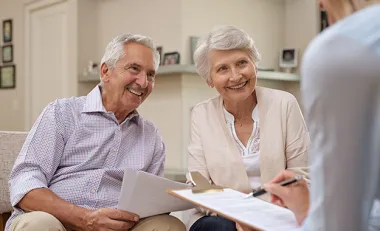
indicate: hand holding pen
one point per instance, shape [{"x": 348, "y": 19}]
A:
[
  {"x": 282, "y": 183},
  {"x": 294, "y": 196}
]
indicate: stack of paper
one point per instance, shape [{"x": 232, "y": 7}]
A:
[
  {"x": 236, "y": 206},
  {"x": 146, "y": 194}
]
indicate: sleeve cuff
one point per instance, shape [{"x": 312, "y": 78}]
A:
[{"x": 22, "y": 185}]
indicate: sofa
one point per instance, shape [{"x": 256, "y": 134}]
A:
[{"x": 10, "y": 146}]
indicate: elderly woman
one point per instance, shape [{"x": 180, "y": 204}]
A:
[{"x": 248, "y": 134}]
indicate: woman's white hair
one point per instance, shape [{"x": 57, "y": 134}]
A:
[
  {"x": 115, "y": 49},
  {"x": 223, "y": 38}
]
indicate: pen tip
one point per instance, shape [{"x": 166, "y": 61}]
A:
[{"x": 249, "y": 195}]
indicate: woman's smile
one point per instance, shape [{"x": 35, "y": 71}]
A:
[{"x": 238, "y": 86}]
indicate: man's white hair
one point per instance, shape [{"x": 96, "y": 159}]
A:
[
  {"x": 115, "y": 49},
  {"x": 223, "y": 38}
]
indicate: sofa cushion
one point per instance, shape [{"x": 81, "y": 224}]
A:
[{"x": 10, "y": 146}]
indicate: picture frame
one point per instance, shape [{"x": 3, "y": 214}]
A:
[
  {"x": 7, "y": 31},
  {"x": 324, "y": 23},
  {"x": 171, "y": 58},
  {"x": 7, "y": 53},
  {"x": 8, "y": 76},
  {"x": 288, "y": 58},
  {"x": 159, "y": 50},
  {"x": 193, "y": 47}
]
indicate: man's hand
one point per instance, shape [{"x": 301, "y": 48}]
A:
[
  {"x": 294, "y": 196},
  {"x": 109, "y": 219}
]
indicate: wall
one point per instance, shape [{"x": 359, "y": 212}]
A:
[
  {"x": 301, "y": 26},
  {"x": 272, "y": 23},
  {"x": 12, "y": 100},
  {"x": 111, "y": 18},
  {"x": 301, "y": 23},
  {"x": 157, "y": 19},
  {"x": 261, "y": 19},
  {"x": 162, "y": 107},
  {"x": 87, "y": 39}
]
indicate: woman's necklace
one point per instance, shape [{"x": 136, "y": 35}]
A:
[{"x": 240, "y": 124}]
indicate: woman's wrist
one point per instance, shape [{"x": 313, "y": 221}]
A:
[{"x": 302, "y": 214}]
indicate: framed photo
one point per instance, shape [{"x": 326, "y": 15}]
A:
[
  {"x": 7, "y": 31},
  {"x": 159, "y": 50},
  {"x": 8, "y": 76},
  {"x": 288, "y": 58},
  {"x": 7, "y": 53},
  {"x": 324, "y": 20},
  {"x": 193, "y": 46},
  {"x": 171, "y": 58}
]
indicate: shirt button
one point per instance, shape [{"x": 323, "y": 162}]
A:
[{"x": 92, "y": 190}]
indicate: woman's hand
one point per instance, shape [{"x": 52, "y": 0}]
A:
[
  {"x": 294, "y": 196},
  {"x": 243, "y": 228}
]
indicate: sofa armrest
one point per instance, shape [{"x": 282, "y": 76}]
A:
[{"x": 10, "y": 146}]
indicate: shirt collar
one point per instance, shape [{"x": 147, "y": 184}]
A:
[
  {"x": 94, "y": 103},
  {"x": 133, "y": 116},
  {"x": 230, "y": 118}
]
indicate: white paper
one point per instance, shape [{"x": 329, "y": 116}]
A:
[
  {"x": 250, "y": 211},
  {"x": 146, "y": 194}
]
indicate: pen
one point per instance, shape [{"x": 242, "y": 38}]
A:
[{"x": 282, "y": 183}]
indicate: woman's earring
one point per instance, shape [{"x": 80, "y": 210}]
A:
[{"x": 209, "y": 83}]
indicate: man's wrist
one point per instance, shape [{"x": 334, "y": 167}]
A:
[{"x": 80, "y": 215}]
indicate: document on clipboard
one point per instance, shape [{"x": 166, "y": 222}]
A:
[
  {"x": 146, "y": 194},
  {"x": 234, "y": 205}
]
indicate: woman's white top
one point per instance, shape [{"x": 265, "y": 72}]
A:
[
  {"x": 341, "y": 97},
  {"x": 251, "y": 152}
]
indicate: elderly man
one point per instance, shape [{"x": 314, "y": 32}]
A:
[{"x": 69, "y": 172}]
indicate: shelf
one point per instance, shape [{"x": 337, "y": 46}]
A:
[
  {"x": 172, "y": 69},
  {"x": 267, "y": 75},
  {"x": 279, "y": 76},
  {"x": 175, "y": 69},
  {"x": 89, "y": 78}
]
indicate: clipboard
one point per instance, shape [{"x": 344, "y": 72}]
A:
[
  {"x": 243, "y": 210},
  {"x": 201, "y": 185}
]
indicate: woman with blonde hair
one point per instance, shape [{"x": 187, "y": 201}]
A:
[
  {"x": 247, "y": 134},
  {"x": 341, "y": 95}
]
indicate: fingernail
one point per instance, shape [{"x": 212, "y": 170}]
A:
[{"x": 136, "y": 218}]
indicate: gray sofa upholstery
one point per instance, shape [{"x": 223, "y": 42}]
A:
[{"x": 10, "y": 146}]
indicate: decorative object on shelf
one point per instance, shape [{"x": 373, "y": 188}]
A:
[
  {"x": 92, "y": 69},
  {"x": 7, "y": 53},
  {"x": 193, "y": 46},
  {"x": 288, "y": 59},
  {"x": 7, "y": 31},
  {"x": 171, "y": 58},
  {"x": 8, "y": 76},
  {"x": 324, "y": 20},
  {"x": 159, "y": 50}
]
